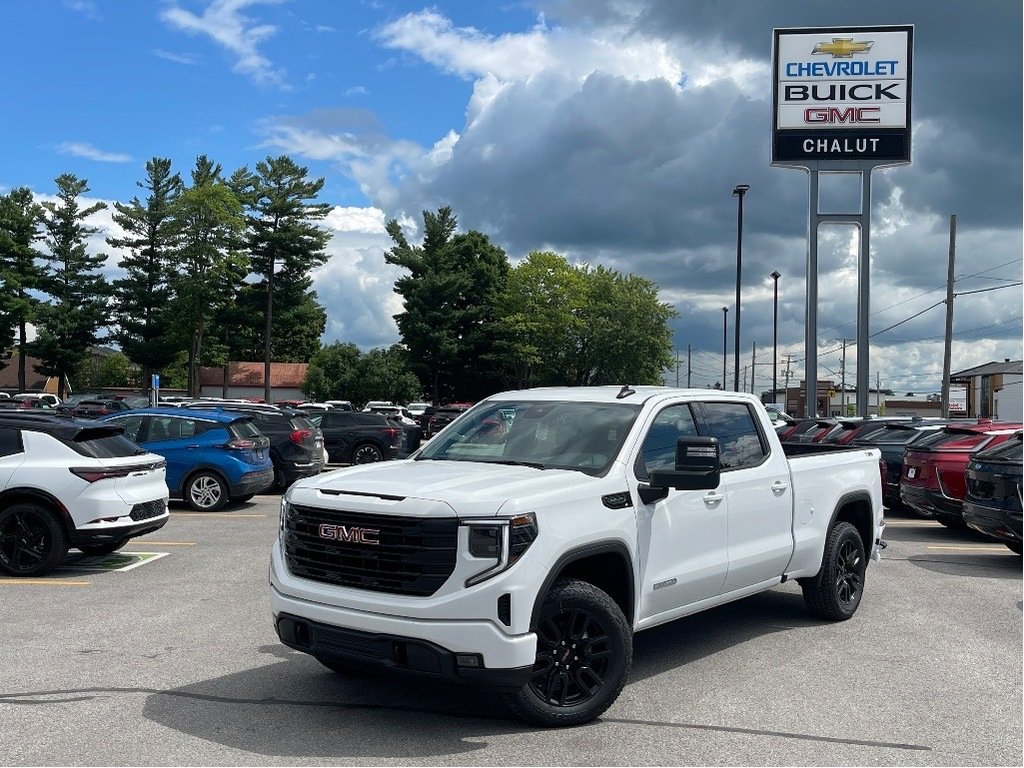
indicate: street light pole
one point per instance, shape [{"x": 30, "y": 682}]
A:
[
  {"x": 725, "y": 343},
  {"x": 775, "y": 337},
  {"x": 738, "y": 192}
]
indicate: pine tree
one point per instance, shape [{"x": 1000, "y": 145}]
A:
[
  {"x": 141, "y": 297},
  {"x": 69, "y": 325},
  {"x": 20, "y": 217}
]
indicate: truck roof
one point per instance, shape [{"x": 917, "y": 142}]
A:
[{"x": 617, "y": 393}]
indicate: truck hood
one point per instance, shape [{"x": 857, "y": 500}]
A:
[{"x": 468, "y": 489}]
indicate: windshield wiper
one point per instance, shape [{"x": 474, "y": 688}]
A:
[{"x": 517, "y": 463}]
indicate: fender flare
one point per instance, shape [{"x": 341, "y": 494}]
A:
[{"x": 611, "y": 547}]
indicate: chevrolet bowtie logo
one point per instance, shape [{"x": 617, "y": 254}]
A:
[{"x": 843, "y": 47}]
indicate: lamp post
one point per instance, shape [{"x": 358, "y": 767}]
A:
[
  {"x": 725, "y": 343},
  {"x": 775, "y": 336},
  {"x": 738, "y": 192}
]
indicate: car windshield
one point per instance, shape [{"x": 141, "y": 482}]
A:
[{"x": 542, "y": 434}]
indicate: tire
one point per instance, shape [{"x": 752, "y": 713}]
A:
[
  {"x": 584, "y": 653},
  {"x": 836, "y": 591},
  {"x": 1015, "y": 546},
  {"x": 206, "y": 492},
  {"x": 97, "y": 550},
  {"x": 32, "y": 540},
  {"x": 366, "y": 453}
]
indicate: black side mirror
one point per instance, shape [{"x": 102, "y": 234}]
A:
[{"x": 698, "y": 466}]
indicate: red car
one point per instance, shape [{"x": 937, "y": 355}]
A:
[{"x": 934, "y": 475}]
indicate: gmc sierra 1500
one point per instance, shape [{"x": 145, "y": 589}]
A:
[{"x": 523, "y": 546}]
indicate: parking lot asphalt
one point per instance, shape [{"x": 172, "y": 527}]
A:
[{"x": 175, "y": 662}]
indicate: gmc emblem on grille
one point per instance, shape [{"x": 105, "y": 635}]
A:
[{"x": 350, "y": 534}]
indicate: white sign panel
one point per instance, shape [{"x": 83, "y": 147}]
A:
[
  {"x": 842, "y": 93},
  {"x": 957, "y": 399}
]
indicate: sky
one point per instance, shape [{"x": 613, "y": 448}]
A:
[{"x": 610, "y": 131}]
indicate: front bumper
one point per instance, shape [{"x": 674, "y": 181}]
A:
[
  {"x": 450, "y": 625},
  {"x": 395, "y": 654}
]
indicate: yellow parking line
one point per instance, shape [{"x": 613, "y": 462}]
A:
[
  {"x": 978, "y": 548},
  {"x": 211, "y": 514},
  {"x": 46, "y": 582}
]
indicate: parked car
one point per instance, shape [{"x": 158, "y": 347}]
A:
[
  {"x": 340, "y": 405},
  {"x": 371, "y": 404},
  {"x": 73, "y": 400},
  {"x": 417, "y": 409},
  {"x": 26, "y": 403},
  {"x": 444, "y": 416},
  {"x": 892, "y": 442},
  {"x": 993, "y": 502},
  {"x": 296, "y": 443},
  {"x": 933, "y": 481},
  {"x": 51, "y": 400},
  {"x": 808, "y": 430},
  {"x": 71, "y": 483},
  {"x": 353, "y": 437},
  {"x": 94, "y": 409},
  {"x": 212, "y": 456}
]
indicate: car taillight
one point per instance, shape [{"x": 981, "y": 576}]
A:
[
  {"x": 92, "y": 474},
  {"x": 393, "y": 432},
  {"x": 298, "y": 435},
  {"x": 240, "y": 444}
]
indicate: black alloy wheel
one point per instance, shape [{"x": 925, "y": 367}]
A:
[
  {"x": 366, "y": 453},
  {"x": 584, "y": 652},
  {"x": 32, "y": 540},
  {"x": 836, "y": 591}
]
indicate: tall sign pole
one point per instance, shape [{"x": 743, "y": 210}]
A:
[{"x": 841, "y": 104}]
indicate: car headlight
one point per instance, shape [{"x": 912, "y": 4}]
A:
[
  {"x": 499, "y": 542},
  {"x": 284, "y": 513}
]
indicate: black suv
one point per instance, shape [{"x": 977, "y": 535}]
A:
[
  {"x": 354, "y": 437},
  {"x": 296, "y": 444},
  {"x": 993, "y": 505},
  {"x": 443, "y": 416}
]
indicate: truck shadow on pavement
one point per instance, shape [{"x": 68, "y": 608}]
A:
[{"x": 295, "y": 708}]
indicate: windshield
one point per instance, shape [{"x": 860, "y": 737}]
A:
[{"x": 543, "y": 434}]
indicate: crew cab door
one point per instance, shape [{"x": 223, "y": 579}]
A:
[
  {"x": 682, "y": 537},
  {"x": 756, "y": 481}
]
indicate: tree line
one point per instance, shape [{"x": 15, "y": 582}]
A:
[
  {"x": 473, "y": 324},
  {"x": 214, "y": 270},
  {"x": 218, "y": 269}
]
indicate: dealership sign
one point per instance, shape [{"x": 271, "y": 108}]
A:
[{"x": 841, "y": 94}]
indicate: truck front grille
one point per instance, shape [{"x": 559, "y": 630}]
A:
[{"x": 380, "y": 553}]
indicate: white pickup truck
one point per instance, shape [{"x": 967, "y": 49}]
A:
[{"x": 523, "y": 545}]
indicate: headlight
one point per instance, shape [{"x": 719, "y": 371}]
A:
[
  {"x": 500, "y": 542},
  {"x": 284, "y": 512}
]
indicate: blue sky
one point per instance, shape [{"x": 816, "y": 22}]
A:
[{"x": 611, "y": 131}]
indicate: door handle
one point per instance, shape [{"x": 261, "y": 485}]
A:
[
  {"x": 779, "y": 487},
  {"x": 712, "y": 498},
  {"x": 195, "y": 445}
]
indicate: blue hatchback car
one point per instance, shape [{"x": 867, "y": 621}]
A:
[{"x": 212, "y": 456}]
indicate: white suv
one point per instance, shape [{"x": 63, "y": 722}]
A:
[{"x": 72, "y": 483}]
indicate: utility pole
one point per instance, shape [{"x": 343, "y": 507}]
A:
[
  {"x": 878, "y": 393},
  {"x": 753, "y": 367},
  {"x": 785, "y": 399},
  {"x": 689, "y": 367},
  {"x": 948, "y": 352},
  {"x": 842, "y": 377},
  {"x": 677, "y": 369}
]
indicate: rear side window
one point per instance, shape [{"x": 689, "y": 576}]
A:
[
  {"x": 739, "y": 440},
  {"x": 299, "y": 422},
  {"x": 104, "y": 444},
  {"x": 10, "y": 441},
  {"x": 245, "y": 428}
]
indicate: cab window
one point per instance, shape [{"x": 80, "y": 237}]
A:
[
  {"x": 659, "y": 447},
  {"x": 740, "y": 443}
]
